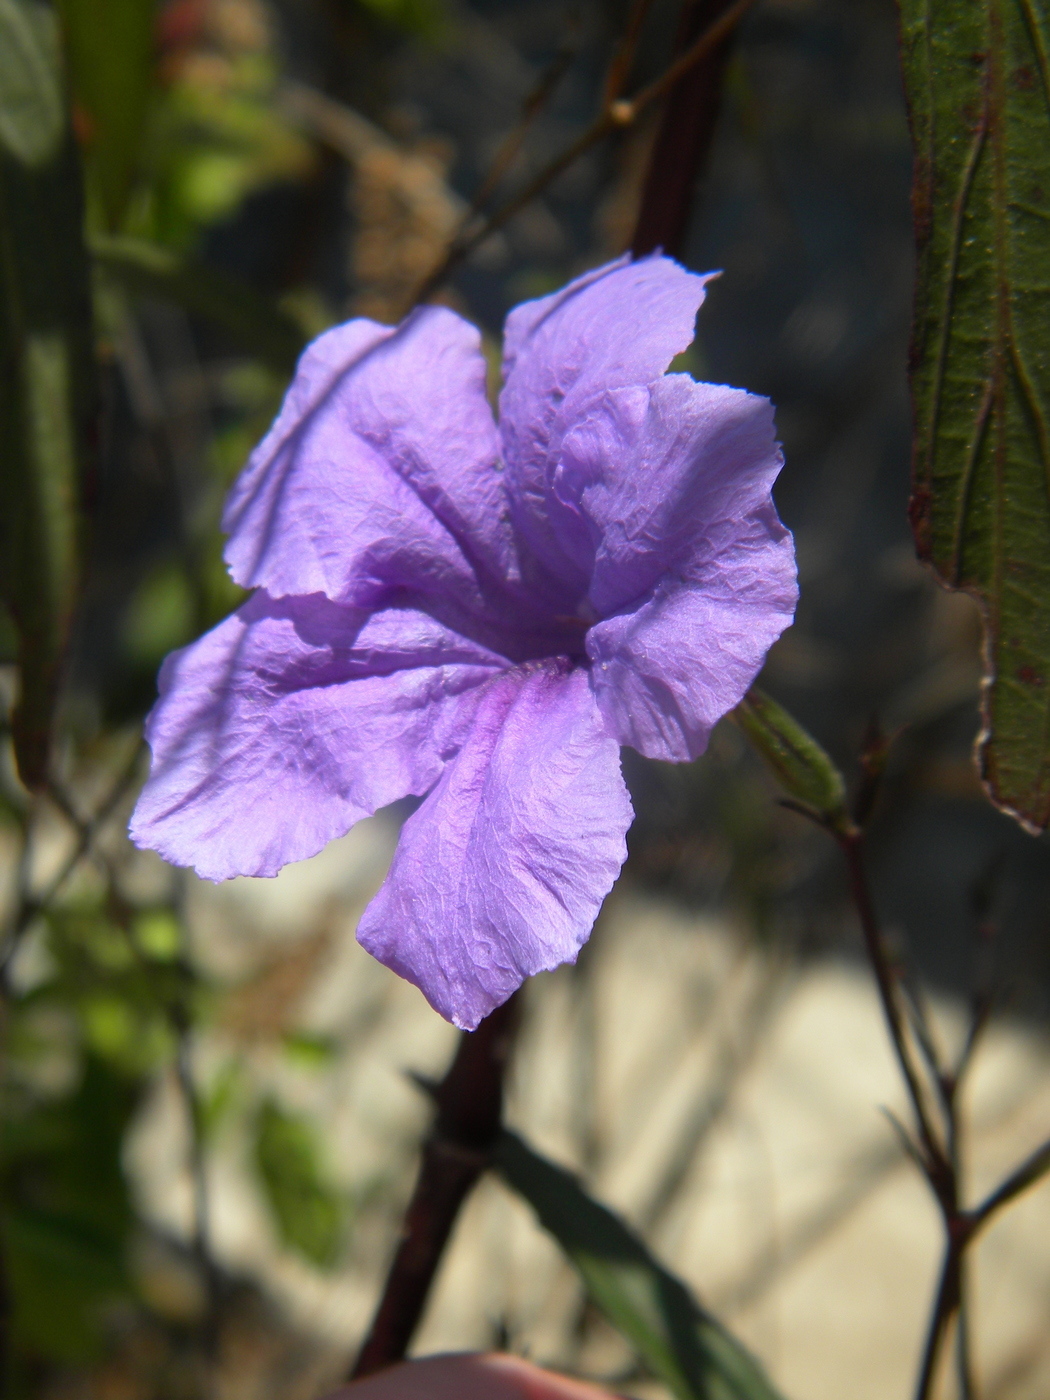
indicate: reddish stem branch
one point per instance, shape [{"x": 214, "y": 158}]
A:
[
  {"x": 469, "y": 1112},
  {"x": 533, "y": 105},
  {"x": 945, "y": 1308},
  {"x": 684, "y": 139},
  {"x": 30, "y": 906},
  {"x": 939, "y": 1161},
  {"x": 619, "y": 69},
  {"x": 1027, "y": 1174},
  {"x": 615, "y": 117},
  {"x": 938, "y": 1168}
]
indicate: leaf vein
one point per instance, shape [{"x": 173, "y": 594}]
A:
[
  {"x": 1035, "y": 30},
  {"x": 958, "y": 213}
]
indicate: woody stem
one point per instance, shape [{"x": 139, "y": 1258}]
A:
[{"x": 457, "y": 1150}]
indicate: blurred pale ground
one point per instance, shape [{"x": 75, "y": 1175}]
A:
[{"x": 725, "y": 1099}]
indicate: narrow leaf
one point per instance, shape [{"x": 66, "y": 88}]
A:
[
  {"x": 109, "y": 47},
  {"x": 46, "y": 368},
  {"x": 32, "y": 117},
  {"x": 800, "y": 765},
  {"x": 977, "y": 74},
  {"x": 680, "y": 1344},
  {"x": 254, "y": 323},
  {"x": 309, "y": 1214}
]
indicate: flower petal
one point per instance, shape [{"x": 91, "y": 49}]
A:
[
  {"x": 667, "y": 671},
  {"x": 664, "y": 479},
  {"x": 616, "y": 327},
  {"x": 381, "y": 472},
  {"x": 293, "y": 719},
  {"x": 502, "y": 870}
]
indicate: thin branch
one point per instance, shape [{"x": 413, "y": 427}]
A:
[
  {"x": 963, "y": 1349},
  {"x": 201, "y": 1236},
  {"x": 623, "y": 57},
  {"x": 978, "y": 1022},
  {"x": 615, "y": 117},
  {"x": 944, "y": 1309},
  {"x": 533, "y": 105},
  {"x": 550, "y": 172},
  {"x": 920, "y": 1025},
  {"x": 712, "y": 36},
  {"x": 29, "y": 905},
  {"x": 810, "y": 813},
  {"x": 940, "y": 1164},
  {"x": 910, "y": 1146},
  {"x": 23, "y": 872},
  {"x": 945, "y": 1080},
  {"x": 64, "y": 803},
  {"x": 1027, "y": 1174},
  {"x": 950, "y": 1081},
  {"x": 942, "y": 1178}
]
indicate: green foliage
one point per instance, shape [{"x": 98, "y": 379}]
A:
[
  {"x": 66, "y": 1214},
  {"x": 977, "y": 74},
  {"x": 109, "y": 46},
  {"x": 256, "y": 325},
  {"x": 32, "y": 113},
  {"x": 160, "y": 616},
  {"x": 89, "y": 1022},
  {"x": 310, "y": 1215},
  {"x": 424, "y": 18},
  {"x": 310, "y": 1051},
  {"x": 679, "y": 1343},
  {"x": 217, "y": 135},
  {"x": 157, "y": 934},
  {"x": 46, "y": 367},
  {"x": 801, "y": 766},
  {"x": 126, "y": 994}
]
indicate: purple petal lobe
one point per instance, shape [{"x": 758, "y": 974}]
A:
[
  {"x": 665, "y": 479},
  {"x": 293, "y": 719},
  {"x": 666, "y": 670},
  {"x": 381, "y": 472},
  {"x": 502, "y": 870},
  {"x": 614, "y": 328}
]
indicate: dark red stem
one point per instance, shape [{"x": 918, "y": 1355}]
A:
[
  {"x": 938, "y": 1167},
  {"x": 684, "y": 139},
  {"x": 945, "y": 1308},
  {"x": 469, "y": 1116}
]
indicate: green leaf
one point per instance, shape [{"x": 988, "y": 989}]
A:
[
  {"x": 309, "y": 1214},
  {"x": 258, "y": 326},
  {"x": 799, "y": 763},
  {"x": 977, "y": 74},
  {"x": 426, "y": 19},
  {"x": 65, "y": 1214},
  {"x": 61, "y": 1277},
  {"x": 310, "y": 1051},
  {"x": 46, "y": 368},
  {"x": 681, "y": 1344},
  {"x": 110, "y": 50},
  {"x": 32, "y": 114}
]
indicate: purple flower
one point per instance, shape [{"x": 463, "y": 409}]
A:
[{"x": 482, "y": 615}]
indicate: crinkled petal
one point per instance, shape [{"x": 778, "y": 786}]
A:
[
  {"x": 613, "y": 328},
  {"x": 380, "y": 476},
  {"x": 664, "y": 479},
  {"x": 666, "y": 672},
  {"x": 290, "y": 721},
  {"x": 502, "y": 870}
]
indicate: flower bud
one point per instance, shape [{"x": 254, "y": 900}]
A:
[{"x": 801, "y": 766}]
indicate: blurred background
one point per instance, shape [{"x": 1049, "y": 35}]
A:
[{"x": 208, "y": 1134}]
